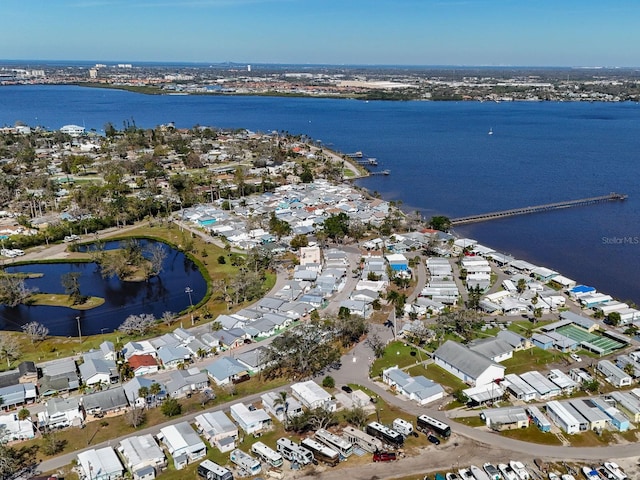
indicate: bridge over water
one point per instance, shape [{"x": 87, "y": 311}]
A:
[{"x": 537, "y": 208}]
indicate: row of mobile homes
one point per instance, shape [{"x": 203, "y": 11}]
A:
[
  {"x": 594, "y": 418},
  {"x": 616, "y": 417},
  {"x": 217, "y": 429},
  {"x": 629, "y": 402}
]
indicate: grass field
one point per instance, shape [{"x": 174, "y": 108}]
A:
[
  {"x": 531, "y": 359},
  {"x": 438, "y": 375},
  {"x": 396, "y": 353}
]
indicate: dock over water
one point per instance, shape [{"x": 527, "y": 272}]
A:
[{"x": 537, "y": 208}]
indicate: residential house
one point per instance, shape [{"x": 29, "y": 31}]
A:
[
  {"x": 141, "y": 453},
  {"x": 132, "y": 389},
  {"x": 562, "y": 417},
  {"x": 252, "y": 420},
  {"x": 143, "y": 364},
  {"x": 419, "y": 388},
  {"x": 16, "y": 395},
  {"x": 100, "y": 464},
  {"x": 469, "y": 366},
  {"x": 614, "y": 375},
  {"x": 226, "y": 370},
  {"x": 58, "y": 377},
  {"x": 143, "y": 347},
  {"x": 13, "y": 429},
  {"x": 173, "y": 356},
  {"x": 506, "y": 418},
  {"x": 493, "y": 348},
  {"x": 112, "y": 400},
  {"x": 218, "y": 430},
  {"x": 183, "y": 444},
  {"x": 312, "y": 395},
  {"x": 186, "y": 382},
  {"x": 273, "y": 404},
  {"x": 520, "y": 389},
  {"x": 95, "y": 370},
  {"x": 61, "y": 412}
]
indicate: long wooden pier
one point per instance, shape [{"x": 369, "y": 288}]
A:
[{"x": 537, "y": 208}]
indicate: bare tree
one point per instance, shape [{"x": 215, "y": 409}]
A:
[
  {"x": 135, "y": 417},
  {"x": 9, "y": 348},
  {"x": 13, "y": 290},
  {"x": 157, "y": 254},
  {"x": 168, "y": 318},
  {"x": 137, "y": 324},
  {"x": 35, "y": 331}
]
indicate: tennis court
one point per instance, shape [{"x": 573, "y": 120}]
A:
[{"x": 607, "y": 345}]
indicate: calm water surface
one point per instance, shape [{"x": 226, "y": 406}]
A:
[{"x": 441, "y": 158}]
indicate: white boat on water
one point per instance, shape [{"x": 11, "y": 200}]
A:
[
  {"x": 478, "y": 473},
  {"x": 567, "y": 476},
  {"x": 590, "y": 473},
  {"x": 491, "y": 131},
  {"x": 615, "y": 470},
  {"x": 507, "y": 472},
  {"x": 520, "y": 470},
  {"x": 465, "y": 474}
]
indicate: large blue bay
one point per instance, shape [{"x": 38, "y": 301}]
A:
[{"x": 441, "y": 159}]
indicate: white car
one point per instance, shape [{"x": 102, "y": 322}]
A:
[{"x": 576, "y": 357}]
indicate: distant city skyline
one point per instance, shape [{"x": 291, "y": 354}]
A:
[{"x": 588, "y": 33}]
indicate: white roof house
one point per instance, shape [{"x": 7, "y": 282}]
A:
[
  {"x": 562, "y": 417},
  {"x": 469, "y": 366},
  {"x": 217, "y": 429},
  {"x": 544, "y": 387},
  {"x": 562, "y": 380},
  {"x": 519, "y": 388},
  {"x": 12, "y": 429},
  {"x": 506, "y": 417},
  {"x": 183, "y": 444},
  {"x": 251, "y": 421},
  {"x": 419, "y": 388},
  {"x": 100, "y": 464},
  {"x": 312, "y": 395},
  {"x": 141, "y": 452},
  {"x": 614, "y": 375}
]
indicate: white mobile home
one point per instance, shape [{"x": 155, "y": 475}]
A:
[
  {"x": 312, "y": 395},
  {"x": 101, "y": 464},
  {"x": 141, "y": 452},
  {"x": 614, "y": 375},
  {"x": 217, "y": 429},
  {"x": 183, "y": 444},
  {"x": 251, "y": 421},
  {"x": 562, "y": 417}
]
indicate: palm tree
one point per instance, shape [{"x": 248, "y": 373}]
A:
[
  {"x": 154, "y": 390},
  {"x": 282, "y": 400},
  {"x": 143, "y": 392}
]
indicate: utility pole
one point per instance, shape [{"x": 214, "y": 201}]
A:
[
  {"x": 188, "y": 291},
  {"x": 79, "y": 329}
]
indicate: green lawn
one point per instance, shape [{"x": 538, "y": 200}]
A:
[
  {"x": 532, "y": 434},
  {"x": 531, "y": 359},
  {"x": 471, "y": 421},
  {"x": 438, "y": 375},
  {"x": 397, "y": 353}
]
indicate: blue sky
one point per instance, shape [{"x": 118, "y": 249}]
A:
[{"x": 400, "y": 32}]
